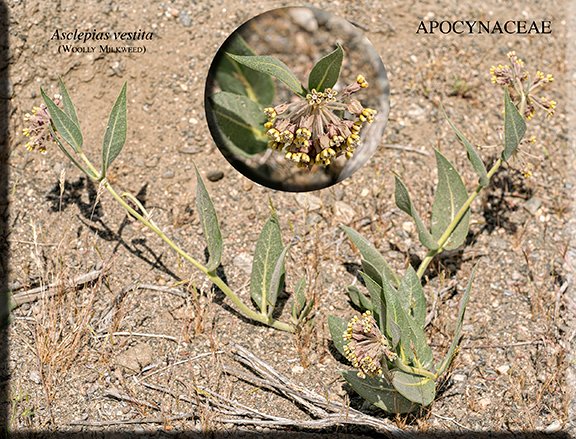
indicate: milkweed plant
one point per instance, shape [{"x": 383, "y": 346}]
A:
[
  {"x": 394, "y": 368},
  {"x": 317, "y": 125},
  {"x": 386, "y": 344}
]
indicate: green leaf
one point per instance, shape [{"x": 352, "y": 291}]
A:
[
  {"x": 379, "y": 392},
  {"x": 472, "y": 154},
  {"x": 337, "y": 327},
  {"x": 63, "y": 124},
  {"x": 299, "y": 298},
  {"x": 405, "y": 204},
  {"x": 115, "y": 135},
  {"x": 276, "y": 281},
  {"x": 269, "y": 247},
  {"x": 210, "y": 225},
  {"x": 378, "y": 305},
  {"x": 413, "y": 338},
  {"x": 67, "y": 102},
  {"x": 236, "y": 78},
  {"x": 459, "y": 321},
  {"x": 359, "y": 299},
  {"x": 326, "y": 71},
  {"x": 241, "y": 122},
  {"x": 418, "y": 389},
  {"x": 450, "y": 197},
  {"x": 371, "y": 255},
  {"x": 514, "y": 127},
  {"x": 273, "y": 67},
  {"x": 412, "y": 296}
]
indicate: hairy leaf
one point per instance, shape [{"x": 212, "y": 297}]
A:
[
  {"x": 299, "y": 298},
  {"x": 379, "y": 392},
  {"x": 115, "y": 135},
  {"x": 337, "y": 327},
  {"x": 326, "y": 71},
  {"x": 241, "y": 121},
  {"x": 472, "y": 154},
  {"x": 273, "y": 67},
  {"x": 236, "y": 78},
  {"x": 450, "y": 197},
  {"x": 412, "y": 297},
  {"x": 276, "y": 281},
  {"x": 269, "y": 247},
  {"x": 378, "y": 304},
  {"x": 371, "y": 255},
  {"x": 404, "y": 203},
  {"x": 210, "y": 226},
  {"x": 63, "y": 124},
  {"x": 418, "y": 389},
  {"x": 359, "y": 299},
  {"x": 514, "y": 127},
  {"x": 67, "y": 102}
]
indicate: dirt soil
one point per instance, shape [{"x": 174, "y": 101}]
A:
[{"x": 68, "y": 369}]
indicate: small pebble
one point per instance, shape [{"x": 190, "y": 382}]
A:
[
  {"x": 185, "y": 19},
  {"x": 298, "y": 369},
  {"x": 308, "y": 201},
  {"x": 503, "y": 370},
  {"x": 215, "y": 175},
  {"x": 459, "y": 377},
  {"x": 343, "y": 212},
  {"x": 168, "y": 173},
  {"x": 533, "y": 205},
  {"x": 189, "y": 150},
  {"x": 35, "y": 377}
]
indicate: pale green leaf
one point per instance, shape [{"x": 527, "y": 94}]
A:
[
  {"x": 412, "y": 296},
  {"x": 299, "y": 298},
  {"x": 514, "y": 127},
  {"x": 378, "y": 305},
  {"x": 379, "y": 392},
  {"x": 450, "y": 196},
  {"x": 63, "y": 124},
  {"x": 372, "y": 256},
  {"x": 337, "y": 327},
  {"x": 359, "y": 299},
  {"x": 326, "y": 71},
  {"x": 276, "y": 281},
  {"x": 404, "y": 203},
  {"x": 269, "y": 247},
  {"x": 67, "y": 102},
  {"x": 273, "y": 67},
  {"x": 418, "y": 389},
  {"x": 236, "y": 78},
  {"x": 115, "y": 135},
  {"x": 210, "y": 225},
  {"x": 472, "y": 154},
  {"x": 240, "y": 122}
]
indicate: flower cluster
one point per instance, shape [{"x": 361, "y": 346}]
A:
[
  {"x": 366, "y": 347},
  {"x": 516, "y": 77},
  {"x": 315, "y": 129},
  {"x": 38, "y": 130}
]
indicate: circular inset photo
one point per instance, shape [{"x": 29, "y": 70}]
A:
[{"x": 297, "y": 99}]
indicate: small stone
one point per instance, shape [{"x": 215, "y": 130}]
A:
[
  {"x": 185, "y": 19},
  {"x": 459, "y": 377},
  {"x": 243, "y": 261},
  {"x": 533, "y": 205},
  {"x": 168, "y": 173},
  {"x": 297, "y": 369},
  {"x": 136, "y": 357},
  {"x": 35, "y": 377},
  {"x": 308, "y": 201},
  {"x": 364, "y": 192},
  {"x": 247, "y": 186},
  {"x": 343, "y": 212},
  {"x": 503, "y": 370},
  {"x": 215, "y": 175},
  {"x": 408, "y": 226},
  {"x": 187, "y": 149},
  {"x": 484, "y": 403}
]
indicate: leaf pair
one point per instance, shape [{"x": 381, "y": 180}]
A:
[
  {"x": 268, "y": 273},
  {"x": 324, "y": 74},
  {"x": 450, "y": 196},
  {"x": 67, "y": 125}
]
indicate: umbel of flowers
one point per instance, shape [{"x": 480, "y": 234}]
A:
[{"x": 320, "y": 127}]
